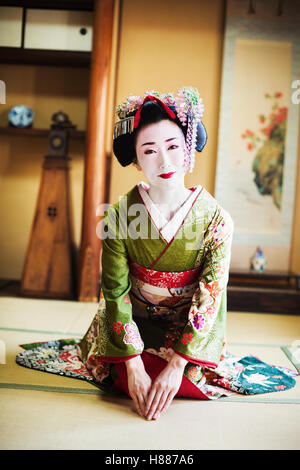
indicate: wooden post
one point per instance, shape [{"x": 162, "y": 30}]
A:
[{"x": 95, "y": 158}]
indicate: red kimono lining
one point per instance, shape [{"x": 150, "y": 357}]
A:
[
  {"x": 117, "y": 359},
  {"x": 211, "y": 365}
]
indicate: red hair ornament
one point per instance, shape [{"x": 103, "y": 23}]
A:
[{"x": 137, "y": 117}]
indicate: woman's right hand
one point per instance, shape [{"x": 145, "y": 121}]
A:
[{"x": 139, "y": 383}]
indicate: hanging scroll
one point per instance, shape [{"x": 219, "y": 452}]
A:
[{"x": 259, "y": 125}]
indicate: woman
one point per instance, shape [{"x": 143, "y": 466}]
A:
[
  {"x": 157, "y": 146},
  {"x": 159, "y": 331}
]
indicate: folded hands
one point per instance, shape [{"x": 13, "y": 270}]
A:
[{"x": 153, "y": 398}]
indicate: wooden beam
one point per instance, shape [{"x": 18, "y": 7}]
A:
[{"x": 95, "y": 158}]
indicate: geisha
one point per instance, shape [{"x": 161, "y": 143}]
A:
[
  {"x": 159, "y": 329},
  {"x": 162, "y": 315}
]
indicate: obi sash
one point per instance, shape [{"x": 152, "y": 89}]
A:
[{"x": 162, "y": 293}]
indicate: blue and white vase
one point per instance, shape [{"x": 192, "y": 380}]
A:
[
  {"x": 258, "y": 261},
  {"x": 21, "y": 116}
]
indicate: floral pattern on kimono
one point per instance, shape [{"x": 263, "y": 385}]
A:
[{"x": 203, "y": 337}]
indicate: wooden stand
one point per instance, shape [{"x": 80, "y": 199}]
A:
[
  {"x": 267, "y": 292},
  {"x": 48, "y": 268}
]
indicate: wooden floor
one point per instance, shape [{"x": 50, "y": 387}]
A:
[{"x": 45, "y": 411}]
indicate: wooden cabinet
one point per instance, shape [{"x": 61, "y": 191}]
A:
[
  {"x": 267, "y": 292},
  {"x": 11, "y": 26},
  {"x": 62, "y": 30},
  {"x": 46, "y": 32}
]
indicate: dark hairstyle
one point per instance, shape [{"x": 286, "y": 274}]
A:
[{"x": 151, "y": 113}]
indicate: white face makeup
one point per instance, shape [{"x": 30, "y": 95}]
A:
[{"x": 160, "y": 149}]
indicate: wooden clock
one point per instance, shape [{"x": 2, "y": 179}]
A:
[{"x": 48, "y": 268}]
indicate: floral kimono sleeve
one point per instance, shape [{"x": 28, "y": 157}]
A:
[
  {"x": 117, "y": 336},
  {"x": 203, "y": 337}
]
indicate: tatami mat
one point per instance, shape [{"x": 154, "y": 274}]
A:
[
  {"x": 45, "y": 411},
  {"x": 48, "y": 315},
  {"x": 62, "y": 421}
]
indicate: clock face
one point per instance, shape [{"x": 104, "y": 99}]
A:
[
  {"x": 60, "y": 116},
  {"x": 21, "y": 116},
  {"x": 56, "y": 141}
]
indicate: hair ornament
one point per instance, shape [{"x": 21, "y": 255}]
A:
[
  {"x": 189, "y": 109},
  {"x": 125, "y": 126},
  {"x": 155, "y": 99},
  {"x": 187, "y": 106},
  {"x": 187, "y": 102}
]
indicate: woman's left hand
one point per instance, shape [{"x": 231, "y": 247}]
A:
[{"x": 165, "y": 387}]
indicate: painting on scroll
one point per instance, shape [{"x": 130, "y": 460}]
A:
[{"x": 258, "y": 128}]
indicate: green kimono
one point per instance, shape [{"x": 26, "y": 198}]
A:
[
  {"x": 162, "y": 295},
  {"x": 163, "y": 291}
]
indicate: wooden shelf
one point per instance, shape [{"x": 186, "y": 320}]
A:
[
  {"x": 19, "y": 55},
  {"x": 268, "y": 292},
  {"x": 31, "y": 131},
  {"x": 262, "y": 300},
  {"x": 85, "y": 5},
  {"x": 267, "y": 273},
  {"x": 268, "y": 278}
]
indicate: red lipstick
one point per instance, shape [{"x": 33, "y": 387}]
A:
[{"x": 166, "y": 175}]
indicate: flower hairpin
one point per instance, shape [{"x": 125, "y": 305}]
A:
[{"x": 189, "y": 109}]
